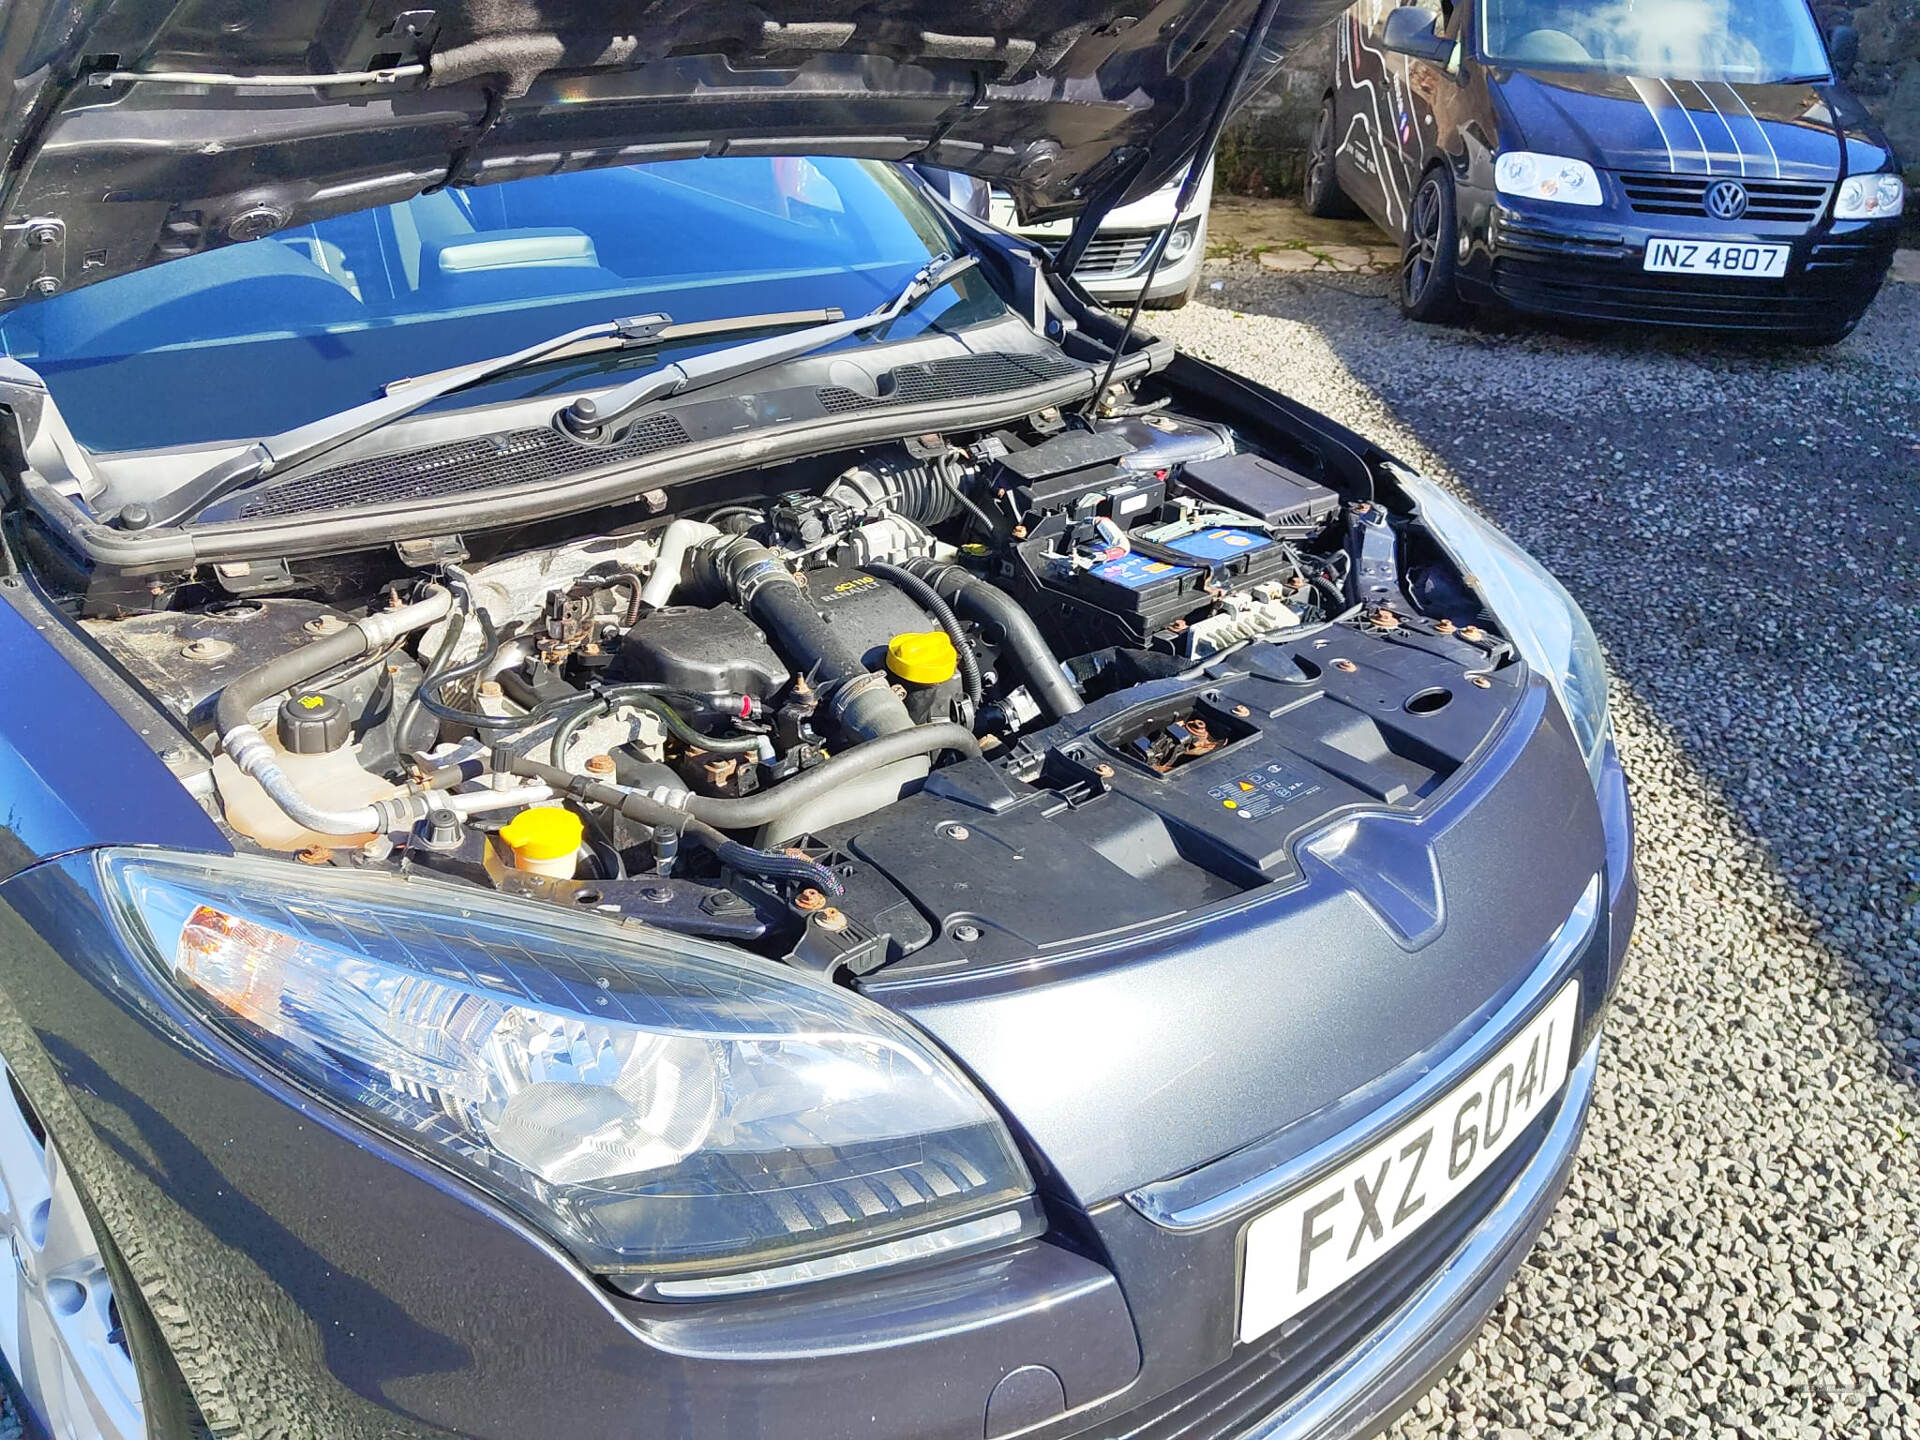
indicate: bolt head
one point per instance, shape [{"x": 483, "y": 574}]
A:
[
  {"x": 810, "y": 900},
  {"x": 46, "y": 285},
  {"x": 1345, "y": 667},
  {"x": 1480, "y": 682},
  {"x": 1241, "y": 712},
  {"x": 599, "y": 765},
  {"x": 966, "y": 934},
  {"x": 830, "y": 919},
  {"x": 1103, "y": 770}
]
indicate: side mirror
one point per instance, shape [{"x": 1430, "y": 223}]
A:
[
  {"x": 1410, "y": 32},
  {"x": 1843, "y": 49}
]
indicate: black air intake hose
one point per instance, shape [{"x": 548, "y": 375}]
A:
[
  {"x": 906, "y": 487},
  {"x": 861, "y": 702},
  {"x": 942, "y": 612},
  {"x": 989, "y": 603}
]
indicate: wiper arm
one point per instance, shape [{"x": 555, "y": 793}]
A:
[
  {"x": 403, "y": 397},
  {"x": 607, "y": 419}
]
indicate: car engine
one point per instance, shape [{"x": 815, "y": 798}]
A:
[{"x": 940, "y": 699}]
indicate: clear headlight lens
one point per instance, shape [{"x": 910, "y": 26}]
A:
[
  {"x": 1547, "y": 177},
  {"x": 660, "y": 1106},
  {"x": 1181, "y": 240},
  {"x": 1871, "y": 197},
  {"x": 1541, "y": 619}
]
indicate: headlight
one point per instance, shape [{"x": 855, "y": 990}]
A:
[
  {"x": 1539, "y": 616},
  {"x": 1547, "y": 177},
  {"x": 1871, "y": 197},
  {"x": 666, "y": 1109},
  {"x": 1180, "y": 241}
]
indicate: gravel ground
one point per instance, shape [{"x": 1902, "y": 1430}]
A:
[{"x": 1739, "y": 1251}]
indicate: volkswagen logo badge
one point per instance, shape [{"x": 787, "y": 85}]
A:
[{"x": 1727, "y": 200}]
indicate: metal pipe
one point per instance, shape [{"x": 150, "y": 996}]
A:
[{"x": 670, "y": 562}]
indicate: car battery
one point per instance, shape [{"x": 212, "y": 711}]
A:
[{"x": 1150, "y": 588}]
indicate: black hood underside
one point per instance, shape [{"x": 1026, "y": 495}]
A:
[{"x": 110, "y": 167}]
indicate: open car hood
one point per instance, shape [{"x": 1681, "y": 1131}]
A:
[{"x": 1065, "y": 103}]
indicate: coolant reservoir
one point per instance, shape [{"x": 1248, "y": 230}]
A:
[
  {"x": 334, "y": 779},
  {"x": 310, "y": 742}
]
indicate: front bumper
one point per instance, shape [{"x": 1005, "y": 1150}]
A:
[
  {"x": 1591, "y": 266},
  {"x": 320, "y": 1281}
]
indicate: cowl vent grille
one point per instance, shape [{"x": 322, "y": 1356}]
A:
[{"x": 459, "y": 467}]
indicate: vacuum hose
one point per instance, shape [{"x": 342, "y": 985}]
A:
[
  {"x": 250, "y": 752},
  {"x": 989, "y": 603},
  {"x": 647, "y": 810},
  {"x": 863, "y": 703}
]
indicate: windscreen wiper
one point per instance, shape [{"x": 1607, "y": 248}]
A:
[
  {"x": 606, "y": 419},
  {"x": 404, "y": 397}
]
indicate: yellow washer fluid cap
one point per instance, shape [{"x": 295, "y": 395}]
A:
[
  {"x": 546, "y": 833},
  {"x": 923, "y": 659}
]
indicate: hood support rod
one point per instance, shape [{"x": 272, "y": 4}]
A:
[{"x": 1196, "y": 168}]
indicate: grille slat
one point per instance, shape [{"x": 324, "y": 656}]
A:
[
  {"x": 1108, "y": 257},
  {"x": 1790, "y": 201}
]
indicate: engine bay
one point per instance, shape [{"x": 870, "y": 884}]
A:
[{"x": 947, "y": 701}]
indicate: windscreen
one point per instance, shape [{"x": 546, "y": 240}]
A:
[
  {"x": 1756, "y": 42},
  {"x": 247, "y": 340}
]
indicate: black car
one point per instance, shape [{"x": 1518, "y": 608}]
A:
[
  {"x": 652, "y": 782},
  {"x": 1692, "y": 164}
]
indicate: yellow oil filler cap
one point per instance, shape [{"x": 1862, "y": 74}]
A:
[
  {"x": 545, "y": 839},
  {"x": 923, "y": 659}
]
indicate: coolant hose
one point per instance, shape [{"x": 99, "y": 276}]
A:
[
  {"x": 253, "y": 756},
  {"x": 942, "y": 613},
  {"x": 985, "y": 601},
  {"x": 863, "y": 703}
]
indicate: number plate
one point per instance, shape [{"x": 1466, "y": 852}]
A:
[
  {"x": 1316, "y": 1240},
  {"x": 1705, "y": 257}
]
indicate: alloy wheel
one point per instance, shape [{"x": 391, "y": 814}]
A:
[
  {"x": 60, "y": 1330},
  {"x": 1423, "y": 241},
  {"x": 1320, "y": 157}
]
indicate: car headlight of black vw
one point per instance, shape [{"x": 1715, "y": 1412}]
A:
[
  {"x": 1542, "y": 620},
  {"x": 687, "y": 1120}
]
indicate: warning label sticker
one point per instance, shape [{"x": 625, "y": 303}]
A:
[{"x": 1264, "y": 792}]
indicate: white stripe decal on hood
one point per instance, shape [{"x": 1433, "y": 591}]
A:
[
  {"x": 1643, "y": 89},
  {"x": 1687, "y": 114},
  {"x": 1738, "y": 149},
  {"x": 1734, "y": 91}
]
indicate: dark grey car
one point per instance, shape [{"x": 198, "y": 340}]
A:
[{"x": 652, "y": 783}]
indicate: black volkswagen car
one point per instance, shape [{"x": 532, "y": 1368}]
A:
[
  {"x": 1696, "y": 163},
  {"x": 652, "y": 783}
]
